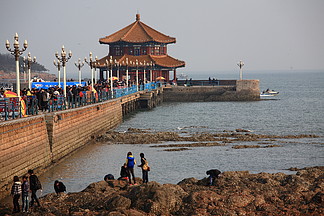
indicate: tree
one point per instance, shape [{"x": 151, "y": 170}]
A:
[{"x": 7, "y": 64}]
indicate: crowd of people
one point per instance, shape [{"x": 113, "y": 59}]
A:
[{"x": 41, "y": 98}]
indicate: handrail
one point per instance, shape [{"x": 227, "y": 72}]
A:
[{"x": 10, "y": 108}]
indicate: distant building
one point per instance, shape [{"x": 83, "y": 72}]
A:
[{"x": 139, "y": 47}]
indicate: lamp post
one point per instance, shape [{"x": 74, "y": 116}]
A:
[
  {"x": 79, "y": 65},
  {"x": 136, "y": 75},
  {"x": 24, "y": 66},
  {"x": 111, "y": 76},
  {"x": 241, "y": 64},
  {"x": 58, "y": 65},
  {"x": 127, "y": 72},
  {"x": 28, "y": 62},
  {"x": 91, "y": 64},
  {"x": 95, "y": 66},
  {"x": 151, "y": 75},
  {"x": 63, "y": 59},
  {"x": 107, "y": 70},
  {"x": 17, "y": 52},
  {"x": 117, "y": 65}
]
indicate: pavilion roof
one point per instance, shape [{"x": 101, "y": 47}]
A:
[
  {"x": 165, "y": 61},
  {"x": 137, "y": 32}
]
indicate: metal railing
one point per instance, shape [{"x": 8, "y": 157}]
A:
[{"x": 12, "y": 108}]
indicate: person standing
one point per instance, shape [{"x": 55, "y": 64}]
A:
[
  {"x": 130, "y": 161},
  {"x": 34, "y": 186},
  {"x": 24, "y": 195},
  {"x": 15, "y": 192},
  {"x": 145, "y": 168}
]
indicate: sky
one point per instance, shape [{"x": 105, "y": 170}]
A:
[{"x": 212, "y": 35}]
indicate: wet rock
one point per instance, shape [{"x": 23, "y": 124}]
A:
[
  {"x": 242, "y": 130},
  {"x": 177, "y": 149}
]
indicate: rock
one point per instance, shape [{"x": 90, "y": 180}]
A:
[
  {"x": 118, "y": 202},
  {"x": 234, "y": 193},
  {"x": 156, "y": 198}
]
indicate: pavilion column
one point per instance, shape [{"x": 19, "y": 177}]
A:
[
  {"x": 101, "y": 76},
  {"x": 174, "y": 74}
]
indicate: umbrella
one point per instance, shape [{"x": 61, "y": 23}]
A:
[{"x": 160, "y": 78}]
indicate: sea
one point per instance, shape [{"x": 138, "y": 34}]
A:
[{"x": 297, "y": 110}]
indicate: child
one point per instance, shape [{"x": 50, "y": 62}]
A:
[
  {"x": 15, "y": 192},
  {"x": 25, "y": 189}
]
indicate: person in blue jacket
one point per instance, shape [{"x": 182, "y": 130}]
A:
[{"x": 130, "y": 161}]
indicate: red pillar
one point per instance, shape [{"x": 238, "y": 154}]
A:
[{"x": 174, "y": 74}]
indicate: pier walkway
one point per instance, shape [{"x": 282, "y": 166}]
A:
[{"x": 13, "y": 107}]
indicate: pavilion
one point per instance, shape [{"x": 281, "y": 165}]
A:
[{"x": 138, "y": 51}]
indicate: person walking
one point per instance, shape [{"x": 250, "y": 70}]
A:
[
  {"x": 34, "y": 186},
  {"x": 24, "y": 195},
  {"x": 145, "y": 168},
  {"x": 15, "y": 192},
  {"x": 130, "y": 161}
]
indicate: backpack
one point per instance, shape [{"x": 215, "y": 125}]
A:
[
  {"x": 38, "y": 185},
  {"x": 146, "y": 167}
]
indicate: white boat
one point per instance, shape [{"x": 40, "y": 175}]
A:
[{"x": 269, "y": 93}]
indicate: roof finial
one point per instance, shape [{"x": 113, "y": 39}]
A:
[{"x": 138, "y": 17}]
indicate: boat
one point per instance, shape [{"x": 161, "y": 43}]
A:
[{"x": 269, "y": 93}]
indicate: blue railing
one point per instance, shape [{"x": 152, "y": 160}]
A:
[{"x": 11, "y": 108}]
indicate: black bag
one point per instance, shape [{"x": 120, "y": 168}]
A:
[{"x": 38, "y": 185}]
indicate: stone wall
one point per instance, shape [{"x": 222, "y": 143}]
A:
[
  {"x": 23, "y": 145},
  {"x": 69, "y": 130},
  {"x": 244, "y": 90}
]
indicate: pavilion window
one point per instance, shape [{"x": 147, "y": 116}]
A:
[
  {"x": 117, "y": 51},
  {"x": 137, "y": 51},
  {"x": 157, "y": 50},
  {"x": 144, "y": 51}
]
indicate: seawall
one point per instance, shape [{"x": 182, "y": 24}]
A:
[
  {"x": 239, "y": 90},
  {"x": 40, "y": 141}
]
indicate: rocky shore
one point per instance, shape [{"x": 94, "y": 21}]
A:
[{"x": 234, "y": 193}]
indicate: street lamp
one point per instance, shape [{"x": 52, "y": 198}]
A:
[
  {"x": 79, "y": 65},
  {"x": 91, "y": 64},
  {"x": 58, "y": 65},
  {"x": 136, "y": 75},
  {"x": 151, "y": 77},
  {"x": 111, "y": 76},
  {"x": 117, "y": 64},
  {"x": 63, "y": 59},
  {"x": 127, "y": 72},
  {"x": 17, "y": 52},
  {"x": 241, "y": 64},
  {"x": 28, "y": 62},
  {"x": 144, "y": 76}
]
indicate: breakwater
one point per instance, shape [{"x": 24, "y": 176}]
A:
[{"x": 232, "y": 90}]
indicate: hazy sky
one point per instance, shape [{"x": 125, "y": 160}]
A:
[{"x": 212, "y": 35}]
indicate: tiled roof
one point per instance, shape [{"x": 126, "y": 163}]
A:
[
  {"x": 137, "y": 32},
  {"x": 159, "y": 60}
]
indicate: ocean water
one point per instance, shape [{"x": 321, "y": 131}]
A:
[{"x": 298, "y": 109}]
